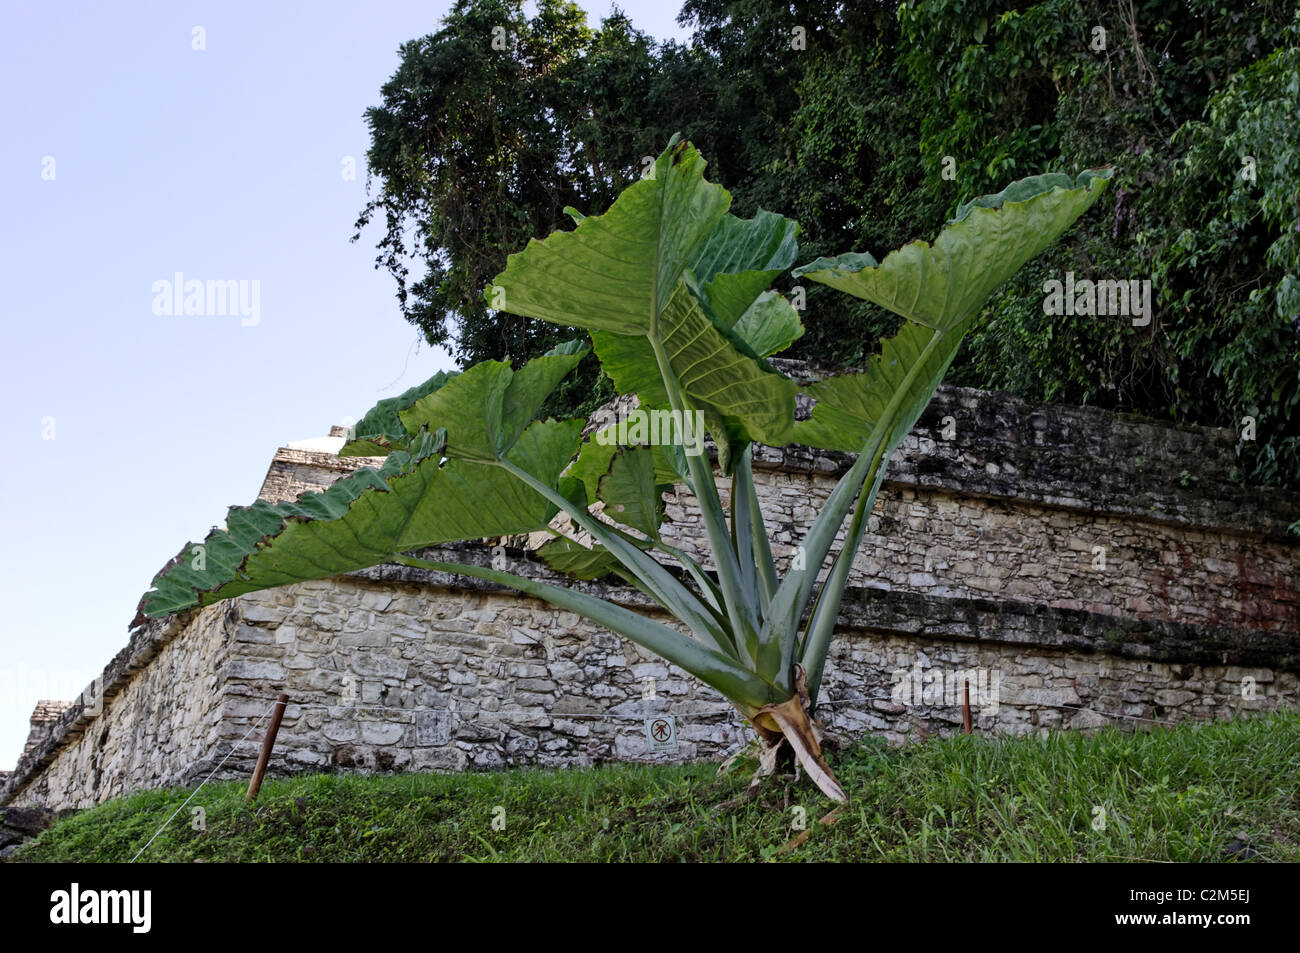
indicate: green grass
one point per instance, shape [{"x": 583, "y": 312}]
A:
[{"x": 1180, "y": 794}]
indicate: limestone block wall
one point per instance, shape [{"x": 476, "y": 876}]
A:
[
  {"x": 402, "y": 670},
  {"x": 44, "y": 722},
  {"x": 1040, "y": 670},
  {"x": 154, "y": 715},
  {"x": 399, "y": 669},
  {"x": 931, "y": 540},
  {"x": 423, "y": 676},
  {"x": 980, "y": 565},
  {"x": 1064, "y": 507}
]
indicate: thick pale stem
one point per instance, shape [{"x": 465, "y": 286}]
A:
[
  {"x": 752, "y": 548},
  {"x": 742, "y": 616},
  {"x": 821, "y": 626},
  {"x": 767, "y": 580},
  {"x": 792, "y": 720},
  {"x": 708, "y": 587},
  {"x": 665, "y": 589},
  {"x": 728, "y": 675}
]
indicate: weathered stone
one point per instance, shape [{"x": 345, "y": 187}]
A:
[
  {"x": 382, "y": 732},
  {"x": 253, "y": 633},
  {"x": 254, "y": 669},
  {"x": 1173, "y": 698},
  {"x": 535, "y": 685},
  {"x": 305, "y": 756},
  {"x": 336, "y": 729},
  {"x": 375, "y": 664},
  {"x": 433, "y": 728},
  {"x": 1087, "y": 720},
  {"x": 978, "y": 558},
  {"x": 257, "y": 611}
]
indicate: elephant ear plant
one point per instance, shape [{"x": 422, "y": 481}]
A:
[{"x": 673, "y": 291}]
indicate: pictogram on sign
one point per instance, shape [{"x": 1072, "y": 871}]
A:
[{"x": 661, "y": 733}]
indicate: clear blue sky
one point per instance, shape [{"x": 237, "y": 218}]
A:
[{"x": 223, "y": 163}]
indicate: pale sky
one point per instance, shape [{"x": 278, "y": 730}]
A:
[{"x": 128, "y": 156}]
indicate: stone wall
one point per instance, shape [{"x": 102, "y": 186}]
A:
[
  {"x": 44, "y": 722},
  {"x": 930, "y": 540},
  {"x": 310, "y": 466},
  {"x": 1014, "y": 502},
  {"x": 401, "y": 669},
  {"x": 153, "y": 719},
  {"x": 979, "y": 566},
  {"x": 420, "y": 675}
]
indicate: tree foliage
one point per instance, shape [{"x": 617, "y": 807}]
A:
[
  {"x": 881, "y": 120},
  {"x": 1180, "y": 95},
  {"x": 489, "y": 129}
]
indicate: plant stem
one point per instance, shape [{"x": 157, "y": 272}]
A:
[
  {"x": 743, "y": 617},
  {"x": 761, "y": 550},
  {"x": 826, "y": 609},
  {"x": 728, "y": 675},
  {"x": 675, "y": 597}
]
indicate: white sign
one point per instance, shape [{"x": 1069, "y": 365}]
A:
[{"x": 661, "y": 733}]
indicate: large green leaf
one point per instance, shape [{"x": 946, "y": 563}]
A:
[
  {"x": 416, "y": 499},
  {"x": 988, "y": 240},
  {"x": 716, "y": 376},
  {"x": 740, "y": 259},
  {"x": 942, "y": 288},
  {"x": 615, "y": 272},
  {"x": 581, "y": 562},
  {"x": 598, "y": 452},
  {"x": 769, "y": 325},
  {"x": 630, "y": 493},
  {"x": 380, "y": 429},
  {"x": 485, "y": 409},
  {"x": 667, "y": 267},
  {"x": 727, "y": 278},
  {"x": 850, "y": 406}
]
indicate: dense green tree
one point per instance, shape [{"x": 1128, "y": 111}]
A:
[
  {"x": 1174, "y": 93},
  {"x": 466, "y": 159},
  {"x": 1232, "y": 259},
  {"x": 488, "y": 130},
  {"x": 871, "y": 122}
]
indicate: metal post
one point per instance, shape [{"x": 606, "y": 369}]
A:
[{"x": 267, "y": 744}]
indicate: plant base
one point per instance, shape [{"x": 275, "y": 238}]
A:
[{"x": 791, "y": 723}]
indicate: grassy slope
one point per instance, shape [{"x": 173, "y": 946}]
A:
[{"x": 1184, "y": 793}]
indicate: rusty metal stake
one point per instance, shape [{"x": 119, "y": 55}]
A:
[
  {"x": 965, "y": 710},
  {"x": 267, "y": 744}
]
